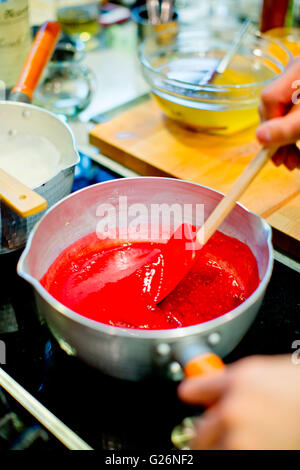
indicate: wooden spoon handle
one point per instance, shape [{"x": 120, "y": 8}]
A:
[
  {"x": 21, "y": 199},
  {"x": 227, "y": 203}
]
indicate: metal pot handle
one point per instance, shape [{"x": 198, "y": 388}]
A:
[
  {"x": 206, "y": 363},
  {"x": 38, "y": 57},
  {"x": 197, "y": 359}
]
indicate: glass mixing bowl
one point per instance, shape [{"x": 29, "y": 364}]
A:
[
  {"x": 290, "y": 37},
  {"x": 177, "y": 71}
]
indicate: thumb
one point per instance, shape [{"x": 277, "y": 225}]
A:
[{"x": 280, "y": 131}]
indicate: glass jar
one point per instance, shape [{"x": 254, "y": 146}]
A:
[
  {"x": 67, "y": 86},
  {"x": 80, "y": 20}
]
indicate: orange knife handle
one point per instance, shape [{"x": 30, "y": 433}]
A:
[
  {"x": 38, "y": 57},
  {"x": 205, "y": 364}
]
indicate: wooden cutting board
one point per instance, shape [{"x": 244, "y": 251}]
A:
[{"x": 144, "y": 140}]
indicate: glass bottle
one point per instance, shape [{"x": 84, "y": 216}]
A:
[
  {"x": 80, "y": 19},
  {"x": 276, "y": 14},
  {"x": 15, "y": 40}
]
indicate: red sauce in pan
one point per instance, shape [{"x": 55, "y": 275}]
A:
[{"x": 93, "y": 279}]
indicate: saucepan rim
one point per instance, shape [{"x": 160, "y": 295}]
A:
[
  {"x": 30, "y": 106},
  {"x": 170, "y": 334}
]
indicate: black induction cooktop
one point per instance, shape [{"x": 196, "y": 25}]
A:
[{"x": 110, "y": 414}]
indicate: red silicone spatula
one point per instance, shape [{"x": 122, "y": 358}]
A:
[
  {"x": 142, "y": 278},
  {"x": 135, "y": 274},
  {"x": 181, "y": 259}
]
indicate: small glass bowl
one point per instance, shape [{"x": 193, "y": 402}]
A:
[
  {"x": 177, "y": 73},
  {"x": 66, "y": 87}
]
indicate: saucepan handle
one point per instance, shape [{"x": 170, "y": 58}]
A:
[
  {"x": 204, "y": 364},
  {"x": 38, "y": 57},
  {"x": 197, "y": 359}
]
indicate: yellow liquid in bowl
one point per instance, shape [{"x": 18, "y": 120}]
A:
[
  {"x": 293, "y": 47},
  {"x": 217, "y": 122},
  {"x": 290, "y": 38},
  {"x": 215, "y": 116}
]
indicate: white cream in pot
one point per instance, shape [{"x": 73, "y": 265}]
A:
[{"x": 31, "y": 159}]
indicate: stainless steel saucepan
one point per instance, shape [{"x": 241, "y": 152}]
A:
[
  {"x": 130, "y": 353},
  {"x": 16, "y": 116}
]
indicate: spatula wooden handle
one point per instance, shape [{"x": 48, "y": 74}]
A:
[
  {"x": 21, "y": 199},
  {"x": 227, "y": 203}
]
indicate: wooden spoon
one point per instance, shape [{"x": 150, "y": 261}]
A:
[
  {"x": 21, "y": 199},
  {"x": 237, "y": 190},
  {"x": 179, "y": 253},
  {"x": 175, "y": 247}
]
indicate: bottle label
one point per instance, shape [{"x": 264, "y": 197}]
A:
[{"x": 14, "y": 39}]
